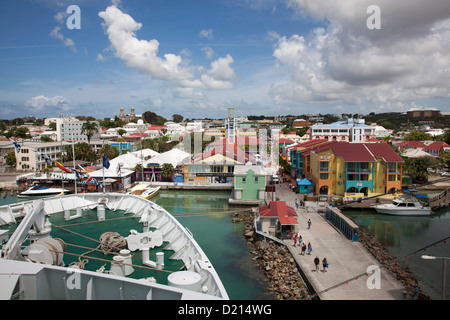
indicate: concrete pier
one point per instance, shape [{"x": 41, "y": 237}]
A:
[{"x": 346, "y": 258}]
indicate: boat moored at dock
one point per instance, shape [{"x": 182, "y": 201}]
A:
[{"x": 405, "y": 205}]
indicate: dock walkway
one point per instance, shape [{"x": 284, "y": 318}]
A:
[{"x": 346, "y": 258}]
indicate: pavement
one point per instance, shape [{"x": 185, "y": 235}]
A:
[{"x": 347, "y": 259}]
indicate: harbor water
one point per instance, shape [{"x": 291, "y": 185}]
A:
[
  {"x": 402, "y": 235},
  {"x": 207, "y": 215}
]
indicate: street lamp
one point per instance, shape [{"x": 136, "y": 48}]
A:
[{"x": 444, "y": 267}]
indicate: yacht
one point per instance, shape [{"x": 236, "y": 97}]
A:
[
  {"x": 42, "y": 191},
  {"x": 405, "y": 205}
]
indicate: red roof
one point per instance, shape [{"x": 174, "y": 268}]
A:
[
  {"x": 436, "y": 145},
  {"x": 156, "y": 127},
  {"x": 285, "y": 141},
  {"x": 383, "y": 150},
  {"x": 352, "y": 152},
  {"x": 287, "y": 220},
  {"x": 230, "y": 151},
  {"x": 239, "y": 141},
  {"x": 412, "y": 144},
  {"x": 307, "y": 143},
  {"x": 277, "y": 209}
]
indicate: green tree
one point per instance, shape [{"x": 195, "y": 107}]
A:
[
  {"x": 11, "y": 159},
  {"x": 46, "y": 139},
  {"x": 109, "y": 151},
  {"x": 177, "y": 118},
  {"x": 89, "y": 129},
  {"x": 82, "y": 152},
  {"x": 417, "y": 168},
  {"x": 416, "y": 136},
  {"x": 167, "y": 170}
]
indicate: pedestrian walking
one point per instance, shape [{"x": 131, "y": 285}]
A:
[
  {"x": 324, "y": 264},
  {"x": 309, "y": 248},
  {"x": 296, "y": 203},
  {"x": 303, "y": 248},
  {"x": 316, "y": 263},
  {"x": 295, "y": 240},
  {"x": 309, "y": 223}
]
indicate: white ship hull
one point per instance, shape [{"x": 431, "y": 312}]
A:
[{"x": 22, "y": 278}]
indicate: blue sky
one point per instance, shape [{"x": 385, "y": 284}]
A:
[{"x": 197, "y": 58}]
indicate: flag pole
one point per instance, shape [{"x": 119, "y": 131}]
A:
[{"x": 103, "y": 186}]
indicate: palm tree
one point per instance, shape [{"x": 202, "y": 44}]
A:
[
  {"x": 89, "y": 128},
  {"x": 167, "y": 170}
]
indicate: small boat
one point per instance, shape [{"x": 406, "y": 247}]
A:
[
  {"x": 42, "y": 191},
  {"x": 405, "y": 205},
  {"x": 150, "y": 192}
]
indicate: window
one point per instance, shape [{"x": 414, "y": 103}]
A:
[
  {"x": 324, "y": 176},
  {"x": 364, "y": 177},
  {"x": 324, "y": 167},
  {"x": 365, "y": 167},
  {"x": 351, "y": 167},
  {"x": 256, "y": 179},
  {"x": 244, "y": 179},
  {"x": 217, "y": 169},
  {"x": 392, "y": 177}
]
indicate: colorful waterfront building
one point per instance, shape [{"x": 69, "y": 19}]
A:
[
  {"x": 249, "y": 184},
  {"x": 216, "y": 165},
  {"x": 338, "y": 168},
  {"x": 295, "y": 154}
]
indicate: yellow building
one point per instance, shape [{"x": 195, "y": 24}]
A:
[{"x": 342, "y": 168}]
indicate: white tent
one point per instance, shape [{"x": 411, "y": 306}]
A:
[{"x": 174, "y": 157}]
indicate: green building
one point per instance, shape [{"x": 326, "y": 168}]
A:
[{"x": 249, "y": 185}]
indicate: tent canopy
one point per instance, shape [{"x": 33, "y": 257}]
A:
[{"x": 304, "y": 182}]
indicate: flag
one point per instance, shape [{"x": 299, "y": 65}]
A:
[
  {"x": 80, "y": 175},
  {"x": 45, "y": 157},
  {"x": 16, "y": 144},
  {"x": 62, "y": 167},
  {"x": 105, "y": 162}
]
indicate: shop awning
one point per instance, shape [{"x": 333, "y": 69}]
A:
[{"x": 287, "y": 221}]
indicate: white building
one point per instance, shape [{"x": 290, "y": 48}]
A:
[
  {"x": 68, "y": 129},
  {"x": 29, "y": 158}
]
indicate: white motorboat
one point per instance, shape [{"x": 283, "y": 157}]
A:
[
  {"x": 50, "y": 257},
  {"x": 42, "y": 191},
  {"x": 404, "y": 205},
  {"x": 150, "y": 192}
]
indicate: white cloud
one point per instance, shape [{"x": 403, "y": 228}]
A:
[
  {"x": 142, "y": 55},
  {"x": 346, "y": 63},
  {"x": 207, "y": 33},
  {"x": 55, "y": 33},
  {"x": 100, "y": 57},
  {"x": 221, "y": 75},
  {"x": 39, "y": 103},
  {"x": 209, "y": 52}
]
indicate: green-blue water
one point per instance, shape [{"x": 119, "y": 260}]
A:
[
  {"x": 402, "y": 235},
  {"x": 207, "y": 215}
]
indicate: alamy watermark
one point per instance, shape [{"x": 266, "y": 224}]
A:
[
  {"x": 74, "y": 20},
  {"x": 374, "y": 20}
]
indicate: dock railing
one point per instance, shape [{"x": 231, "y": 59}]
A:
[{"x": 346, "y": 226}]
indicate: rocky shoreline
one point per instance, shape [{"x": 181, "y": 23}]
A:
[
  {"x": 281, "y": 272},
  {"x": 274, "y": 261}
]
